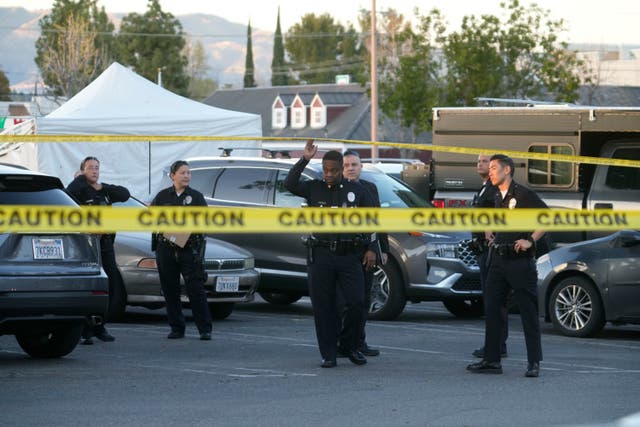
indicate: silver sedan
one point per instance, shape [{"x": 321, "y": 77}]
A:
[{"x": 231, "y": 276}]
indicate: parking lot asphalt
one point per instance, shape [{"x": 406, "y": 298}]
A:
[{"x": 262, "y": 369}]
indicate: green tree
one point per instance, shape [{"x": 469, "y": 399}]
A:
[
  {"x": 279, "y": 73},
  {"x": 58, "y": 43},
  {"x": 319, "y": 49},
  {"x": 409, "y": 81},
  {"x": 200, "y": 86},
  {"x": 5, "y": 88},
  {"x": 517, "y": 55},
  {"x": 153, "y": 42},
  {"x": 249, "y": 67}
]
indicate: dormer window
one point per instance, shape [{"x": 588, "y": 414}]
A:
[
  {"x": 278, "y": 114},
  {"x": 318, "y": 113},
  {"x": 298, "y": 114}
]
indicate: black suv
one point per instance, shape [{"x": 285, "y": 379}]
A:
[
  {"x": 51, "y": 284},
  {"x": 422, "y": 266}
]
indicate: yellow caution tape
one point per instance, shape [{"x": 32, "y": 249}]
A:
[
  {"x": 103, "y": 219},
  {"x": 423, "y": 147}
]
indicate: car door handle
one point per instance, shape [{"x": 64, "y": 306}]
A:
[{"x": 603, "y": 206}]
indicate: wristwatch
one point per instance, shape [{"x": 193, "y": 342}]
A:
[{"x": 531, "y": 239}]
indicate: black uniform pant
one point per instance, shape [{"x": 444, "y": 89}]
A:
[
  {"x": 110, "y": 267},
  {"x": 484, "y": 271},
  {"x": 520, "y": 275},
  {"x": 172, "y": 261},
  {"x": 327, "y": 274},
  {"x": 368, "y": 284}
]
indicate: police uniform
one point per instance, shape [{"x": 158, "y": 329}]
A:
[
  {"x": 173, "y": 260},
  {"x": 486, "y": 198},
  {"x": 517, "y": 271},
  {"x": 85, "y": 194},
  {"x": 335, "y": 260},
  {"x": 383, "y": 241}
]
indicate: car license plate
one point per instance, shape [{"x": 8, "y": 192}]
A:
[
  {"x": 228, "y": 284},
  {"x": 48, "y": 249}
]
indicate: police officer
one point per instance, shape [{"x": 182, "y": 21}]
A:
[
  {"x": 174, "y": 260},
  {"x": 334, "y": 259},
  {"x": 86, "y": 189},
  {"x": 352, "y": 168},
  {"x": 511, "y": 266},
  {"x": 485, "y": 198}
]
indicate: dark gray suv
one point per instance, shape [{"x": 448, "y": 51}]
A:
[
  {"x": 410, "y": 275},
  {"x": 51, "y": 284}
]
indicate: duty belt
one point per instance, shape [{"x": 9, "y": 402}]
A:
[{"x": 507, "y": 250}]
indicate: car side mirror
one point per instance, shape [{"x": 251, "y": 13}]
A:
[{"x": 629, "y": 238}]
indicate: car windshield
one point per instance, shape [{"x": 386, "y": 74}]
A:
[{"x": 394, "y": 194}]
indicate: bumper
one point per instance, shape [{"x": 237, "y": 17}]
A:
[
  {"x": 448, "y": 278},
  {"x": 143, "y": 286},
  {"x": 20, "y": 310}
]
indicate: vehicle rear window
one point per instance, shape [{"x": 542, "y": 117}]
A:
[
  {"x": 46, "y": 197},
  {"x": 247, "y": 185}
]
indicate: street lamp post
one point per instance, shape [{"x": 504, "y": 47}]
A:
[{"x": 374, "y": 84}]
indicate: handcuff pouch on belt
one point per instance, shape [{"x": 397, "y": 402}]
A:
[{"x": 337, "y": 246}]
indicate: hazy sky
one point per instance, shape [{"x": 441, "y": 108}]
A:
[{"x": 611, "y": 22}]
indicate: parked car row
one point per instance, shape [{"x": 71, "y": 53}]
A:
[
  {"x": 422, "y": 266},
  {"x": 51, "y": 284}
]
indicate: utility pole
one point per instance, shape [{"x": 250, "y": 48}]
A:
[{"x": 374, "y": 84}]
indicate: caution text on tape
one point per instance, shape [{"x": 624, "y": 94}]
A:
[{"x": 102, "y": 219}]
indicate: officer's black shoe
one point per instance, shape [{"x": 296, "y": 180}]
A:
[
  {"x": 533, "y": 370},
  {"x": 205, "y": 336},
  {"x": 173, "y": 335},
  {"x": 485, "y": 367},
  {"x": 328, "y": 363},
  {"x": 86, "y": 341},
  {"x": 479, "y": 353},
  {"x": 105, "y": 336},
  {"x": 356, "y": 357},
  {"x": 368, "y": 351}
]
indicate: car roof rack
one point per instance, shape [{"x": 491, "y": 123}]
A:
[{"x": 272, "y": 154}]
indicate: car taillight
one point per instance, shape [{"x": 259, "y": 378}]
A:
[{"x": 438, "y": 203}]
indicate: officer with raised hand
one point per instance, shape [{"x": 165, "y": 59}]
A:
[
  {"x": 485, "y": 198},
  {"x": 352, "y": 168},
  {"x": 335, "y": 260},
  {"x": 512, "y": 266},
  {"x": 87, "y": 190}
]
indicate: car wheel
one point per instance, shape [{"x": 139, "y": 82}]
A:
[
  {"x": 387, "y": 293},
  {"x": 117, "y": 301},
  {"x": 575, "y": 308},
  {"x": 53, "y": 343},
  {"x": 279, "y": 298},
  {"x": 221, "y": 310},
  {"x": 465, "y": 308}
]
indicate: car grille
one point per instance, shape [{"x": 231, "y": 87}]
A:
[
  {"x": 465, "y": 255},
  {"x": 223, "y": 264},
  {"x": 467, "y": 284}
]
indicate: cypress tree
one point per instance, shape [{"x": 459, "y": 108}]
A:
[
  {"x": 249, "y": 80},
  {"x": 279, "y": 75}
]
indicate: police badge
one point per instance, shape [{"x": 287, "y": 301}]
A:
[
  {"x": 187, "y": 200},
  {"x": 512, "y": 203}
]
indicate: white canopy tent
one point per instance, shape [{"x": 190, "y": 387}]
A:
[{"x": 120, "y": 102}]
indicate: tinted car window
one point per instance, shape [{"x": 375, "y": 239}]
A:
[
  {"x": 621, "y": 177},
  {"x": 203, "y": 180},
  {"x": 282, "y": 197},
  {"x": 47, "y": 197},
  {"x": 247, "y": 185},
  {"x": 394, "y": 194}
]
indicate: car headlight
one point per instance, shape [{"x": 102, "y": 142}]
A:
[
  {"x": 249, "y": 263},
  {"x": 442, "y": 250},
  {"x": 148, "y": 263}
]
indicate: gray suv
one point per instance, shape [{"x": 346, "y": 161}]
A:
[
  {"x": 51, "y": 284},
  {"x": 422, "y": 266}
]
